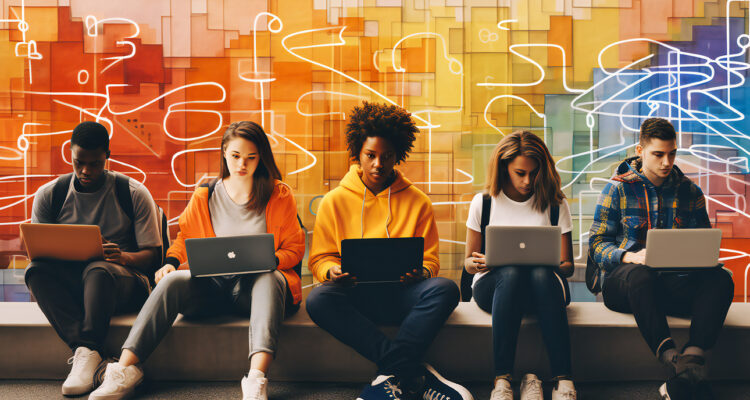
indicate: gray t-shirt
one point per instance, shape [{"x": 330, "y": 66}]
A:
[
  {"x": 231, "y": 219},
  {"x": 102, "y": 208}
]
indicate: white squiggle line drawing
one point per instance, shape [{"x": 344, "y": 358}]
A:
[
  {"x": 256, "y": 74},
  {"x": 512, "y": 96},
  {"x": 451, "y": 60},
  {"x": 333, "y": 113},
  {"x": 92, "y": 22},
  {"x": 501, "y": 24},
  {"x": 171, "y": 108},
  {"x": 341, "y": 42},
  {"x": 512, "y": 49}
]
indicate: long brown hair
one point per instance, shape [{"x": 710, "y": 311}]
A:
[
  {"x": 546, "y": 184},
  {"x": 267, "y": 171}
]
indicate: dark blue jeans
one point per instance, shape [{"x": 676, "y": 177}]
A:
[
  {"x": 508, "y": 292},
  {"x": 351, "y": 314}
]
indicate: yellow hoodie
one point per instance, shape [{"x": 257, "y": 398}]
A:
[{"x": 350, "y": 211}]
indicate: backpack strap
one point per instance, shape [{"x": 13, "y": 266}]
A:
[
  {"x": 124, "y": 198},
  {"x": 485, "y": 220},
  {"x": 211, "y": 185},
  {"x": 59, "y": 193},
  {"x": 466, "y": 277},
  {"x": 554, "y": 214}
]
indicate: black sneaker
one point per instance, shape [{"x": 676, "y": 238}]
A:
[
  {"x": 676, "y": 388},
  {"x": 691, "y": 367},
  {"x": 438, "y": 388},
  {"x": 384, "y": 387}
]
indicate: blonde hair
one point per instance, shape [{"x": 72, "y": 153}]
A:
[{"x": 546, "y": 184}]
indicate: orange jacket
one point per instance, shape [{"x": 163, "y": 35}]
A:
[{"x": 281, "y": 221}]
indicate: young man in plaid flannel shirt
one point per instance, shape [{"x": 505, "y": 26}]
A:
[{"x": 649, "y": 192}]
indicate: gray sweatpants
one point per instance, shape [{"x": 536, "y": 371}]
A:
[{"x": 260, "y": 295}]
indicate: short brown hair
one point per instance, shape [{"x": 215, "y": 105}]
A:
[
  {"x": 656, "y": 128},
  {"x": 546, "y": 185},
  {"x": 390, "y": 122}
]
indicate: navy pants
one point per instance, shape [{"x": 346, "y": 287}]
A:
[
  {"x": 351, "y": 314},
  {"x": 507, "y": 293}
]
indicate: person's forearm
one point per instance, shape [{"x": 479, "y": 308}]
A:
[{"x": 142, "y": 260}]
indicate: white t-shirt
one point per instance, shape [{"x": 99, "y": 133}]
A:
[{"x": 506, "y": 212}]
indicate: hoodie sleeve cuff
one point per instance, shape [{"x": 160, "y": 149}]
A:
[{"x": 172, "y": 260}]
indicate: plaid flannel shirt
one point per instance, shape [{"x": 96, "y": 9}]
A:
[{"x": 620, "y": 218}]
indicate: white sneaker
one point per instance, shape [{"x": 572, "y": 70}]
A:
[
  {"x": 81, "y": 377},
  {"x": 502, "y": 390},
  {"x": 531, "y": 388},
  {"x": 254, "y": 388},
  {"x": 564, "y": 390},
  {"x": 119, "y": 382}
]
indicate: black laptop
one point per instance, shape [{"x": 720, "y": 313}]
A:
[
  {"x": 231, "y": 255},
  {"x": 381, "y": 260}
]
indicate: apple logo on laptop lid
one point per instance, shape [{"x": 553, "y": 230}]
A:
[
  {"x": 522, "y": 245},
  {"x": 231, "y": 255}
]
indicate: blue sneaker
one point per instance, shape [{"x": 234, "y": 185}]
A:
[
  {"x": 384, "y": 387},
  {"x": 438, "y": 388}
]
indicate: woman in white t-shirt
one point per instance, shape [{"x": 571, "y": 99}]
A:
[{"x": 523, "y": 185}]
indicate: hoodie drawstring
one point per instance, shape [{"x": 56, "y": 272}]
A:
[
  {"x": 362, "y": 217},
  {"x": 388, "y": 220}
]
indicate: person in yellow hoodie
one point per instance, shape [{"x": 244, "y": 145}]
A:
[{"x": 374, "y": 200}]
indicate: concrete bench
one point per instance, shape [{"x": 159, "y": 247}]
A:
[{"x": 606, "y": 345}]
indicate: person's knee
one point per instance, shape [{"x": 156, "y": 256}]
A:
[
  {"x": 318, "y": 301},
  {"x": 173, "y": 281},
  {"x": 541, "y": 276},
  {"x": 446, "y": 290},
  {"x": 640, "y": 277},
  {"x": 98, "y": 270},
  {"x": 35, "y": 269},
  {"x": 723, "y": 283},
  {"x": 508, "y": 275}
]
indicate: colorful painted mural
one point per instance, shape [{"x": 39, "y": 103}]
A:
[{"x": 166, "y": 76}]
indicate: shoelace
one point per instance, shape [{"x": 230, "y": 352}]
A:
[
  {"x": 393, "y": 390},
  {"x": 118, "y": 377},
  {"x": 78, "y": 362},
  {"x": 569, "y": 395},
  {"x": 257, "y": 389},
  {"x": 534, "y": 388},
  {"x": 499, "y": 393},
  {"x": 432, "y": 394}
]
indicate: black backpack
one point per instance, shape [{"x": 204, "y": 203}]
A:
[
  {"x": 467, "y": 278},
  {"x": 124, "y": 199},
  {"x": 290, "y": 307},
  {"x": 593, "y": 274}
]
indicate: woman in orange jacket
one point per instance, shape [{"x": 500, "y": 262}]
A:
[{"x": 248, "y": 198}]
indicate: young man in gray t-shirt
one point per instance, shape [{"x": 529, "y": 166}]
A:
[{"x": 79, "y": 298}]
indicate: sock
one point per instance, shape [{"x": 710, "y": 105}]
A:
[
  {"x": 255, "y": 374},
  {"x": 504, "y": 377},
  {"x": 693, "y": 351},
  {"x": 565, "y": 385},
  {"x": 668, "y": 356}
]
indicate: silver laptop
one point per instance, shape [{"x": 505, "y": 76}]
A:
[
  {"x": 522, "y": 245},
  {"x": 682, "y": 248},
  {"x": 231, "y": 255}
]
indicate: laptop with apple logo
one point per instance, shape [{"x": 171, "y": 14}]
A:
[{"x": 231, "y": 255}]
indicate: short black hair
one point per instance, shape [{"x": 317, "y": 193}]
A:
[
  {"x": 656, "y": 128},
  {"x": 383, "y": 120},
  {"x": 90, "y": 135}
]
